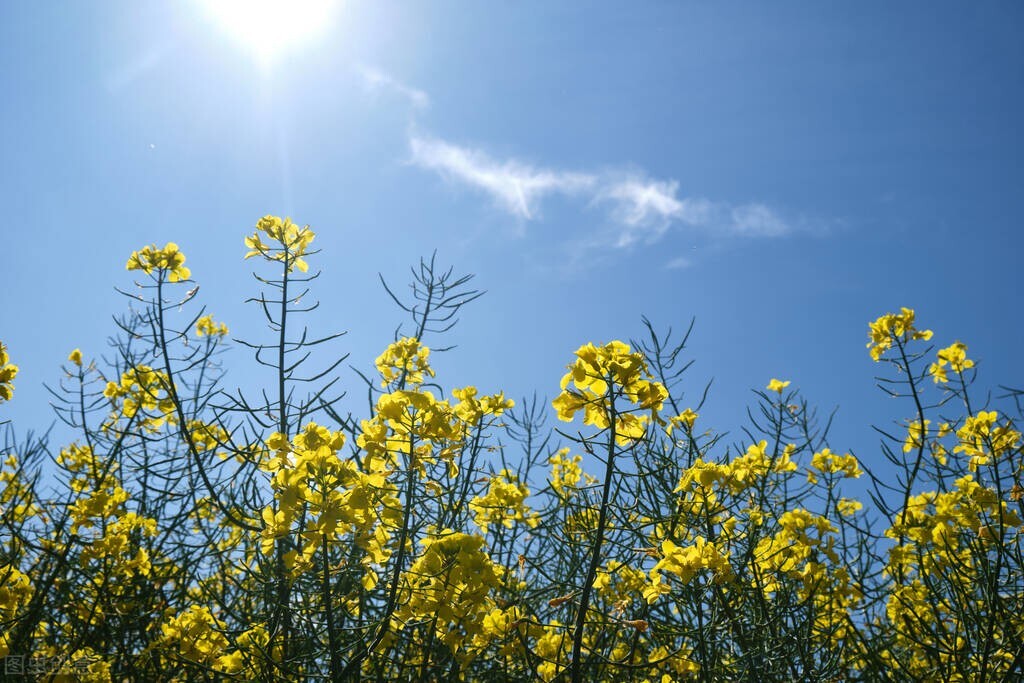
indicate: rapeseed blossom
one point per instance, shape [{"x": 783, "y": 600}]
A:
[
  {"x": 206, "y": 327},
  {"x": 290, "y": 541},
  {"x": 599, "y": 376},
  {"x": 289, "y": 243},
  {"x": 169, "y": 260},
  {"x": 893, "y": 327},
  {"x": 955, "y": 356},
  {"x": 8, "y": 371}
]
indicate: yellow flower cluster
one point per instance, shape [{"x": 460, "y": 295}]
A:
[
  {"x": 407, "y": 360},
  {"x": 552, "y": 648},
  {"x": 916, "y": 435},
  {"x": 330, "y": 496},
  {"x": 739, "y": 474},
  {"x": 941, "y": 537},
  {"x": 206, "y": 327},
  {"x": 940, "y": 519},
  {"x": 414, "y": 419},
  {"x": 115, "y": 530},
  {"x": 8, "y": 372},
  {"x": 168, "y": 260},
  {"x": 803, "y": 550},
  {"x": 982, "y": 438},
  {"x": 619, "y": 584},
  {"x": 85, "y": 468},
  {"x": 801, "y": 536},
  {"x": 891, "y": 327},
  {"x": 955, "y": 356},
  {"x": 198, "y": 636},
  {"x": 206, "y": 437},
  {"x": 142, "y": 390},
  {"x": 16, "y": 497},
  {"x": 741, "y": 539},
  {"x": 502, "y": 504},
  {"x": 15, "y": 592},
  {"x": 680, "y": 665},
  {"x": 833, "y": 594},
  {"x": 598, "y": 376},
  {"x": 685, "y": 419},
  {"x": 685, "y": 562},
  {"x": 294, "y": 242},
  {"x": 450, "y": 585},
  {"x": 471, "y": 410},
  {"x": 566, "y": 472},
  {"x": 404, "y": 418},
  {"x": 827, "y": 462},
  {"x": 84, "y": 665},
  {"x": 503, "y": 626}
]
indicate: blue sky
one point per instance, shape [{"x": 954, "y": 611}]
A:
[{"x": 784, "y": 172}]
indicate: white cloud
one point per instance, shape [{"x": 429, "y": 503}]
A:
[
  {"x": 642, "y": 202},
  {"x": 645, "y": 209},
  {"x": 516, "y": 187},
  {"x": 641, "y": 209},
  {"x": 757, "y": 220},
  {"x": 377, "y": 80}
]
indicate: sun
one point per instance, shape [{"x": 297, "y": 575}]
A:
[{"x": 270, "y": 27}]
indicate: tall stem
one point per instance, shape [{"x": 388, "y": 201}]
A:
[{"x": 576, "y": 666}]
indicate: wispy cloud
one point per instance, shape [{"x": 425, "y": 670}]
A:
[
  {"x": 757, "y": 220},
  {"x": 377, "y": 80},
  {"x": 645, "y": 209},
  {"x": 640, "y": 209},
  {"x": 515, "y": 186}
]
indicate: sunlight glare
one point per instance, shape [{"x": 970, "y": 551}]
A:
[{"x": 269, "y": 27}]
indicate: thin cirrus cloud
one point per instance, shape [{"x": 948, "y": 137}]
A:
[
  {"x": 644, "y": 209},
  {"x": 379, "y": 81},
  {"x": 639, "y": 209},
  {"x": 514, "y": 186}
]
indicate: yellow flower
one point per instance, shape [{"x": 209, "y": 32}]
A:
[
  {"x": 777, "y": 385},
  {"x": 848, "y": 506},
  {"x": 566, "y": 472},
  {"x": 15, "y": 592},
  {"x": 597, "y": 376},
  {"x": 503, "y": 503},
  {"x": 450, "y": 585},
  {"x": 828, "y": 462},
  {"x": 292, "y": 242},
  {"x": 916, "y": 435},
  {"x": 471, "y": 409},
  {"x": 206, "y": 327},
  {"x": 891, "y": 327},
  {"x": 685, "y": 419},
  {"x": 686, "y": 562},
  {"x": 982, "y": 438},
  {"x": 955, "y": 356},
  {"x": 409, "y": 360},
  {"x": 76, "y": 357},
  {"x": 196, "y": 634},
  {"x": 169, "y": 260},
  {"x": 7, "y": 373}
]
